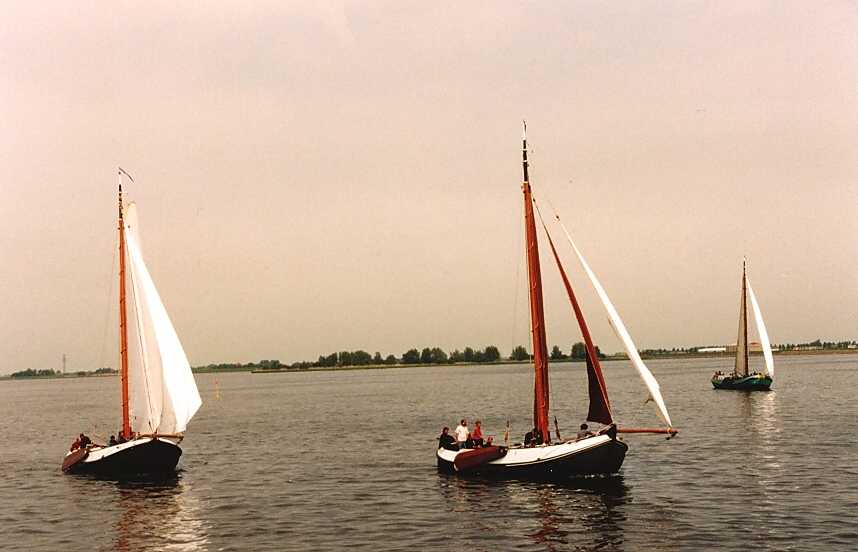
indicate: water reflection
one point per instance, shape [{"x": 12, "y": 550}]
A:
[
  {"x": 764, "y": 470},
  {"x": 760, "y": 411},
  {"x": 158, "y": 515},
  {"x": 587, "y": 512}
]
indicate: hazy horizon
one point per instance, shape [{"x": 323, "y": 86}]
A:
[{"x": 341, "y": 176}]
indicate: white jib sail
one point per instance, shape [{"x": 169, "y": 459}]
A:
[
  {"x": 647, "y": 377},
  {"x": 162, "y": 390},
  {"x": 761, "y": 329}
]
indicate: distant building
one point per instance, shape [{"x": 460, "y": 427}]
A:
[
  {"x": 753, "y": 347},
  {"x": 712, "y": 349}
]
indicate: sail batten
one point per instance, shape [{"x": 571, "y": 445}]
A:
[
  {"x": 761, "y": 329},
  {"x": 620, "y": 328}
]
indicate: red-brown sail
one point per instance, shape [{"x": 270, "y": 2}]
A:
[
  {"x": 537, "y": 315},
  {"x": 600, "y": 408}
]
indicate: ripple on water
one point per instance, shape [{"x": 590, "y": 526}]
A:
[{"x": 747, "y": 471}]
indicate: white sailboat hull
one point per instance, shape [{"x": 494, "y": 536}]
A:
[{"x": 597, "y": 455}]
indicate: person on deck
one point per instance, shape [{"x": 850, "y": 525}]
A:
[
  {"x": 84, "y": 441},
  {"x": 446, "y": 441},
  {"x": 112, "y": 441},
  {"x": 533, "y": 438},
  {"x": 75, "y": 445},
  {"x": 462, "y": 433},
  {"x": 583, "y": 433},
  {"x": 121, "y": 438},
  {"x": 477, "y": 434}
]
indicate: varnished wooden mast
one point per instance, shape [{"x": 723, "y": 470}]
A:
[
  {"x": 537, "y": 315},
  {"x": 745, "y": 317},
  {"x": 123, "y": 322}
]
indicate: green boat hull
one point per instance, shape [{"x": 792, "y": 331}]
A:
[{"x": 752, "y": 382}]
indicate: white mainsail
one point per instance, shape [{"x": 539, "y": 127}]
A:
[
  {"x": 761, "y": 329},
  {"x": 163, "y": 395},
  {"x": 647, "y": 377},
  {"x": 741, "y": 365}
]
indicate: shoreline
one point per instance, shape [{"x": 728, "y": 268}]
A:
[{"x": 672, "y": 356}]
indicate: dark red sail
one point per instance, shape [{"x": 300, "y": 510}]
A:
[
  {"x": 600, "y": 407},
  {"x": 537, "y": 315}
]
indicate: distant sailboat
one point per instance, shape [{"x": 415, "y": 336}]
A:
[
  {"x": 742, "y": 378},
  {"x": 159, "y": 394},
  {"x": 599, "y": 453}
]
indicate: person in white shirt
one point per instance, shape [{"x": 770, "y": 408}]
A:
[{"x": 462, "y": 433}]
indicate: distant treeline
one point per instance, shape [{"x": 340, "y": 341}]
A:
[
  {"x": 427, "y": 355},
  {"x": 816, "y": 344},
  {"x": 30, "y": 373}
]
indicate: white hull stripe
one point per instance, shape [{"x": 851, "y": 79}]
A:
[
  {"x": 97, "y": 454},
  {"x": 535, "y": 455}
]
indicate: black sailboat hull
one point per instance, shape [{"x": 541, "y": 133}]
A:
[
  {"x": 155, "y": 456},
  {"x": 603, "y": 459},
  {"x": 752, "y": 382}
]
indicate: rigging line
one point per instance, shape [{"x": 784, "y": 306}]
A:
[
  {"x": 517, "y": 286},
  {"x": 101, "y": 358}
]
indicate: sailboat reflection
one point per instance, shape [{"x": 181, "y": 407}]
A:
[
  {"x": 589, "y": 504},
  {"x": 586, "y": 513},
  {"x": 158, "y": 515}
]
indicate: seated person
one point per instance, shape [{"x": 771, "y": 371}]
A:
[
  {"x": 75, "y": 445},
  {"x": 533, "y": 438},
  {"x": 583, "y": 433},
  {"x": 84, "y": 441},
  {"x": 446, "y": 441},
  {"x": 477, "y": 434},
  {"x": 112, "y": 441}
]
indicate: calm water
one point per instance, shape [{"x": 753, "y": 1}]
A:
[{"x": 320, "y": 461}]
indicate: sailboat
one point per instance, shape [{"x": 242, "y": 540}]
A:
[
  {"x": 158, "y": 393},
  {"x": 596, "y": 453},
  {"x": 742, "y": 378}
]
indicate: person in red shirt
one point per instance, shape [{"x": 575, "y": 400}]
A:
[{"x": 477, "y": 434}]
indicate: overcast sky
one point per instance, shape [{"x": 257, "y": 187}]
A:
[{"x": 315, "y": 177}]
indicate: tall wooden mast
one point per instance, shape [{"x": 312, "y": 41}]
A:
[
  {"x": 742, "y": 340},
  {"x": 537, "y": 315},
  {"x": 123, "y": 322}
]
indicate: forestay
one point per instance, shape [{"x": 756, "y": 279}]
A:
[
  {"x": 761, "y": 329},
  {"x": 163, "y": 395},
  {"x": 647, "y": 377}
]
